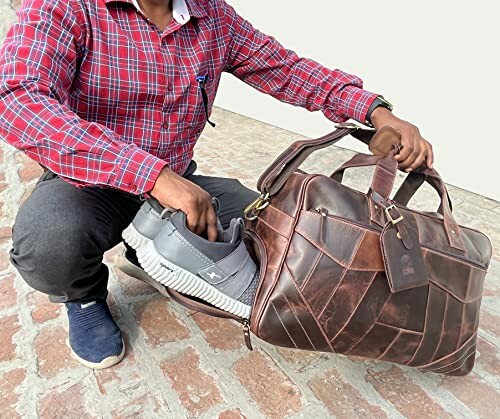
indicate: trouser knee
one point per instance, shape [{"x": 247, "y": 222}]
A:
[{"x": 56, "y": 257}]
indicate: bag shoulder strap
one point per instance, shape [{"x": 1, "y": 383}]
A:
[{"x": 276, "y": 175}]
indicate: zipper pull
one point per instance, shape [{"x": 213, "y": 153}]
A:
[
  {"x": 322, "y": 226},
  {"x": 322, "y": 211},
  {"x": 246, "y": 334}
]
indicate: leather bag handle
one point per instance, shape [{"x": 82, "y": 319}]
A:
[
  {"x": 383, "y": 182},
  {"x": 411, "y": 184},
  {"x": 276, "y": 175},
  {"x": 385, "y": 172}
]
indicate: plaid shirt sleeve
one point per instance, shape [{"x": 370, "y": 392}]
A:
[
  {"x": 263, "y": 63},
  {"x": 38, "y": 61}
]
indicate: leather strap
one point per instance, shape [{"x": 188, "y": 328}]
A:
[
  {"x": 201, "y": 307},
  {"x": 385, "y": 172},
  {"x": 383, "y": 181},
  {"x": 276, "y": 175},
  {"x": 411, "y": 184}
]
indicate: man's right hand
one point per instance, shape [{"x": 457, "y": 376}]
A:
[{"x": 172, "y": 190}]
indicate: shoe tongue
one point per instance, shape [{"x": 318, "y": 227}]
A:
[
  {"x": 155, "y": 205},
  {"x": 233, "y": 233}
]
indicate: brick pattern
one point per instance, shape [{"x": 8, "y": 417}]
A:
[
  {"x": 267, "y": 385},
  {"x": 182, "y": 364},
  {"x": 341, "y": 398},
  {"x": 197, "y": 390}
]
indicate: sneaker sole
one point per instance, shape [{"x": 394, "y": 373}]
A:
[
  {"x": 105, "y": 363},
  {"x": 177, "y": 278},
  {"x": 128, "y": 268},
  {"x": 134, "y": 238}
]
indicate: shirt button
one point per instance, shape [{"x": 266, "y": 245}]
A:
[
  {"x": 170, "y": 87},
  {"x": 164, "y": 125}
]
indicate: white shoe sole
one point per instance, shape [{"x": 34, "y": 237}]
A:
[
  {"x": 128, "y": 268},
  {"x": 177, "y": 278},
  {"x": 105, "y": 363},
  {"x": 133, "y": 238}
]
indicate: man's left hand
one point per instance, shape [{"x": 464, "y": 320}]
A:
[{"x": 415, "y": 150}]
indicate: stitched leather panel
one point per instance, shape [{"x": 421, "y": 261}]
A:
[
  {"x": 434, "y": 318},
  {"x": 365, "y": 315},
  {"x": 322, "y": 284},
  {"x": 374, "y": 344},
  {"x": 403, "y": 348},
  {"x": 344, "y": 301},
  {"x": 406, "y": 310}
]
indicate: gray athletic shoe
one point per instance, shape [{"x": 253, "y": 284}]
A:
[
  {"x": 221, "y": 273},
  {"x": 130, "y": 267},
  {"x": 148, "y": 222}
]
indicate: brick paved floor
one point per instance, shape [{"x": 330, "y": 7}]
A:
[{"x": 182, "y": 364}]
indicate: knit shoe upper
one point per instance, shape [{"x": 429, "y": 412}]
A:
[
  {"x": 148, "y": 222},
  {"x": 145, "y": 225},
  {"x": 94, "y": 338},
  {"x": 221, "y": 273}
]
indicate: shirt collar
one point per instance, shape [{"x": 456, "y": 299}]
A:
[
  {"x": 195, "y": 8},
  {"x": 198, "y": 8}
]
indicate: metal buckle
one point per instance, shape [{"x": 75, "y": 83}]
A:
[
  {"x": 252, "y": 211},
  {"x": 390, "y": 217}
]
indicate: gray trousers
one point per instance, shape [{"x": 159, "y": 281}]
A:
[{"x": 61, "y": 232}]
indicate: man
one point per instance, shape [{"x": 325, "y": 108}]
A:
[{"x": 111, "y": 96}]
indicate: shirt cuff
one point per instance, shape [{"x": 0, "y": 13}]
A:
[
  {"x": 136, "y": 171},
  {"x": 353, "y": 103}
]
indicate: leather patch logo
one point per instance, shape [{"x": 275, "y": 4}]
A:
[{"x": 407, "y": 267}]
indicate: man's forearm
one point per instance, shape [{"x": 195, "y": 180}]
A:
[{"x": 84, "y": 152}]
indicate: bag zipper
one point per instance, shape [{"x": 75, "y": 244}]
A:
[{"x": 246, "y": 334}]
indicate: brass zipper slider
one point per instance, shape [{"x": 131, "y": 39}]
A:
[{"x": 246, "y": 334}]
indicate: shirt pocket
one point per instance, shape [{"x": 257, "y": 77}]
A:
[{"x": 196, "y": 110}]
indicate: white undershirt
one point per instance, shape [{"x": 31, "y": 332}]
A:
[{"x": 180, "y": 11}]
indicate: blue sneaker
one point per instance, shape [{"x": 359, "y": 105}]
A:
[{"x": 94, "y": 338}]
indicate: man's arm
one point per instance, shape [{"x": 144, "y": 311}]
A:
[
  {"x": 262, "y": 62},
  {"x": 38, "y": 61}
]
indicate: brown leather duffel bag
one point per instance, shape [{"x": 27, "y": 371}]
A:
[{"x": 360, "y": 274}]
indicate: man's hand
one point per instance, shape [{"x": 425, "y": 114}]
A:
[
  {"x": 172, "y": 190},
  {"x": 414, "y": 149}
]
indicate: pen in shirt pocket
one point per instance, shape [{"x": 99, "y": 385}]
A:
[{"x": 202, "y": 81}]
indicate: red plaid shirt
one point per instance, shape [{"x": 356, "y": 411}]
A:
[{"x": 93, "y": 90}]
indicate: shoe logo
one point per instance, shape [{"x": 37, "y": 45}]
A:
[
  {"x": 213, "y": 275},
  {"x": 168, "y": 268},
  {"x": 87, "y": 305}
]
